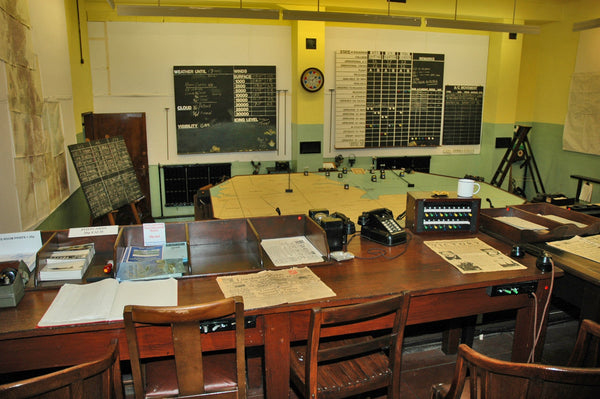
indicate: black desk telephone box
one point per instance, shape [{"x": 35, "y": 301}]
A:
[{"x": 380, "y": 226}]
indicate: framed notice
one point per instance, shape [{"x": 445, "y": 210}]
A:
[
  {"x": 106, "y": 174},
  {"x": 225, "y": 108}
]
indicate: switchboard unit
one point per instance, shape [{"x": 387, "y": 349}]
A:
[{"x": 433, "y": 212}]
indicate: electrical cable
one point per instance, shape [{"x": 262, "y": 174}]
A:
[{"x": 537, "y": 332}]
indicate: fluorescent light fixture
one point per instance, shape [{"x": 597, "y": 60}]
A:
[
  {"x": 474, "y": 25},
  {"x": 211, "y": 12},
  {"x": 584, "y": 25},
  {"x": 349, "y": 17}
]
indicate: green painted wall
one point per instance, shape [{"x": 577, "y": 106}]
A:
[{"x": 73, "y": 212}]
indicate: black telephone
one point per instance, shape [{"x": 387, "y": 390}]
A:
[{"x": 380, "y": 226}]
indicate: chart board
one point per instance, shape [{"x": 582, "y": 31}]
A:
[
  {"x": 106, "y": 174},
  {"x": 397, "y": 99},
  {"x": 225, "y": 108},
  {"x": 463, "y": 106}
]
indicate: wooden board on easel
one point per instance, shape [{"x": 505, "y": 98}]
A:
[{"x": 107, "y": 176}]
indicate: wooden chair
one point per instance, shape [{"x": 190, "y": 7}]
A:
[
  {"x": 586, "y": 352},
  {"x": 348, "y": 365},
  {"x": 99, "y": 378},
  {"x": 191, "y": 372},
  {"x": 502, "y": 379}
]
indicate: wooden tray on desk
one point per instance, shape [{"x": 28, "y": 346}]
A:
[
  {"x": 534, "y": 213},
  {"x": 103, "y": 247},
  {"x": 133, "y": 235},
  {"x": 542, "y": 208},
  {"x": 291, "y": 226},
  {"x": 223, "y": 247}
]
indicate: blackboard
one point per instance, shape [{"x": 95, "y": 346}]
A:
[
  {"x": 225, "y": 108},
  {"x": 463, "y": 107},
  {"x": 106, "y": 174}
]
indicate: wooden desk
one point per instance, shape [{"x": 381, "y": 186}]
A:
[
  {"x": 440, "y": 292},
  {"x": 580, "y": 285}
]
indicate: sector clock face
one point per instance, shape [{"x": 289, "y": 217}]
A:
[{"x": 312, "y": 79}]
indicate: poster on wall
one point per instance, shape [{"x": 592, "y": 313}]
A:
[{"x": 225, "y": 108}]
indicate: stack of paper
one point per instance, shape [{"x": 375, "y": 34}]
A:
[{"x": 67, "y": 263}]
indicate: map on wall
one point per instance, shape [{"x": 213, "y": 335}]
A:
[
  {"x": 225, "y": 108},
  {"x": 106, "y": 174},
  {"x": 396, "y": 99}
]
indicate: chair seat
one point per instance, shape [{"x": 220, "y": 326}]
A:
[
  {"x": 219, "y": 375},
  {"x": 343, "y": 378}
]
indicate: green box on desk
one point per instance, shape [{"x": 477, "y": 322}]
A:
[{"x": 10, "y": 295}]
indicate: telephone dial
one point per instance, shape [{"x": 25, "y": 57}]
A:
[{"x": 380, "y": 226}]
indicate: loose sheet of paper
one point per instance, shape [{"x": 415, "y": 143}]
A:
[
  {"x": 586, "y": 247},
  {"x": 586, "y": 192},
  {"x": 274, "y": 287},
  {"x": 289, "y": 251},
  {"x": 564, "y": 220},
  {"x": 519, "y": 223},
  {"x": 473, "y": 256},
  {"x": 20, "y": 246}
]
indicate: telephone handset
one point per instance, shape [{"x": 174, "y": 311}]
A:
[{"x": 380, "y": 226}]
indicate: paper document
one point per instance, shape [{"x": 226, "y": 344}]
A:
[
  {"x": 274, "y": 287},
  {"x": 20, "y": 246},
  {"x": 290, "y": 251},
  {"x": 564, "y": 220},
  {"x": 473, "y": 256},
  {"x": 104, "y": 300},
  {"x": 519, "y": 223},
  {"x": 586, "y": 247},
  {"x": 586, "y": 192}
]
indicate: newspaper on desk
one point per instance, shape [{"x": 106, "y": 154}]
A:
[
  {"x": 473, "y": 256},
  {"x": 274, "y": 287},
  {"x": 586, "y": 247}
]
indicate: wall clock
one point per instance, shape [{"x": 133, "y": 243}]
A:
[{"x": 312, "y": 79}]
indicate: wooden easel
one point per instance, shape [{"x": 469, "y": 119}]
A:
[
  {"x": 134, "y": 211},
  {"x": 133, "y": 205},
  {"x": 519, "y": 150}
]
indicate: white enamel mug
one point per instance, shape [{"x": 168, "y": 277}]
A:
[{"x": 466, "y": 188}]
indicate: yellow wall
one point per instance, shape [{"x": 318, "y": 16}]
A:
[
  {"x": 307, "y": 107},
  {"x": 83, "y": 99}
]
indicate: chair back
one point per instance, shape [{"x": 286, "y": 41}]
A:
[
  {"x": 342, "y": 319},
  {"x": 586, "y": 352},
  {"x": 187, "y": 343},
  {"x": 502, "y": 379},
  {"x": 99, "y": 378}
]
